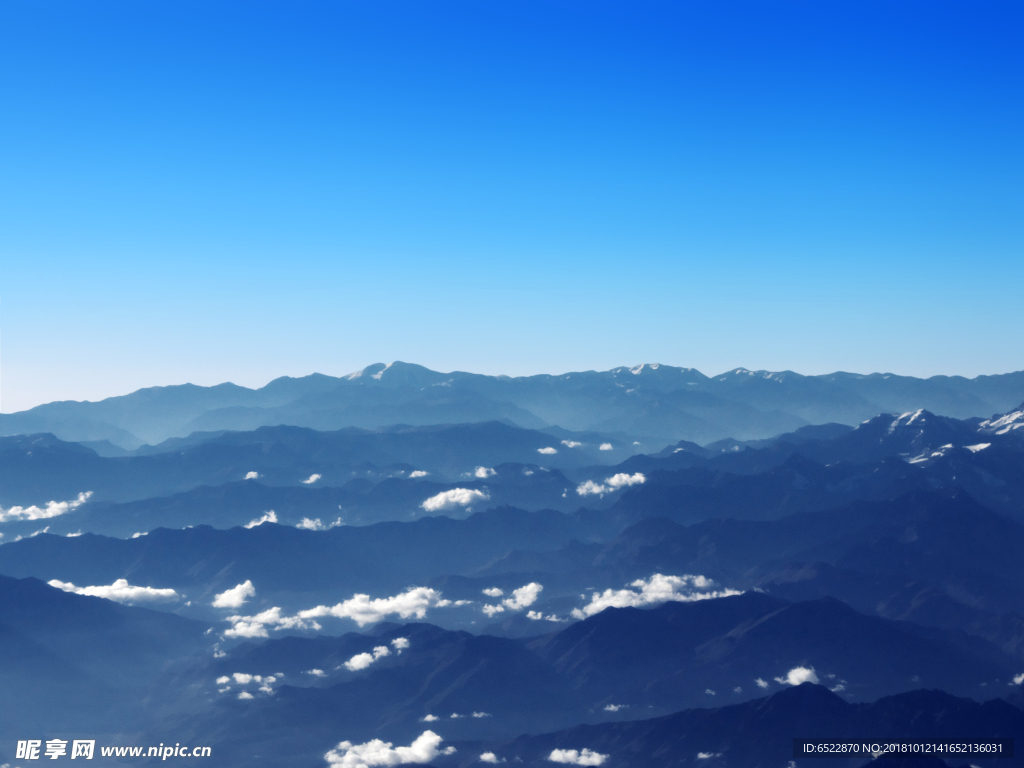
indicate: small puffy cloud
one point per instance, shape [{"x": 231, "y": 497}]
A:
[
  {"x": 606, "y": 446},
  {"x": 430, "y": 719},
  {"x": 761, "y": 683},
  {"x": 493, "y": 592},
  {"x": 838, "y": 688},
  {"x": 316, "y": 525},
  {"x": 418, "y": 473},
  {"x": 590, "y": 488},
  {"x": 1018, "y": 679},
  {"x": 613, "y": 483},
  {"x": 571, "y": 444},
  {"x": 377, "y": 752},
  {"x": 710, "y": 692},
  {"x": 798, "y": 675},
  {"x": 311, "y": 479},
  {"x": 572, "y": 757},
  {"x": 121, "y": 592},
  {"x": 484, "y": 472},
  {"x": 538, "y": 616},
  {"x": 255, "y": 626},
  {"x": 140, "y": 533},
  {"x": 521, "y": 598},
  {"x": 235, "y": 597},
  {"x": 268, "y": 517},
  {"x": 363, "y": 660},
  {"x": 615, "y": 707},
  {"x": 622, "y": 480},
  {"x": 245, "y": 695},
  {"x": 315, "y": 672},
  {"x": 456, "y": 497},
  {"x": 363, "y": 610},
  {"x": 400, "y": 643},
  {"x": 52, "y": 509},
  {"x": 481, "y": 714},
  {"x": 223, "y": 680},
  {"x": 486, "y": 757},
  {"x": 657, "y": 589},
  {"x": 252, "y": 475},
  {"x": 708, "y": 755},
  {"x": 547, "y": 451}
]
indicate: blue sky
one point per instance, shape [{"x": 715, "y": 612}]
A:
[{"x": 195, "y": 191}]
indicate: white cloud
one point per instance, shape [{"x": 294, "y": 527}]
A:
[
  {"x": 377, "y": 752},
  {"x": 590, "y": 488},
  {"x": 430, "y": 719},
  {"x": 235, "y": 597},
  {"x": 622, "y": 480},
  {"x": 52, "y": 509},
  {"x": 456, "y": 497},
  {"x": 315, "y": 672},
  {"x": 252, "y": 475},
  {"x": 658, "y": 589},
  {"x": 761, "y": 683},
  {"x": 255, "y": 626},
  {"x": 400, "y": 643},
  {"x": 571, "y": 444},
  {"x": 316, "y": 525},
  {"x": 521, "y": 598},
  {"x": 493, "y": 592},
  {"x": 798, "y": 675},
  {"x": 538, "y": 615},
  {"x": 615, "y": 707},
  {"x": 606, "y": 446},
  {"x": 547, "y": 451},
  {"x": 838, "y": 688},
  {"x": 484, "y": 472},
  {"x": 1018, "y": 679},
  {"x": 245, "y": 695},
  {"x": 486, "y": 757},
  {"x": 121, "y": 592},
  {"x": 613, "y": 483},
  {"x": 418, "y": 473},
  {"x": 709, "y": 692},
  {"x": 363, "y": 660},
  {"x": 481, "y": 714},
  {"x": 363, "y": 610},
  {"x": 571, "y": 756},
  {"x": 223, "y": 680},
  {"x": 140, "y": 533},
  {"x": 268, "y": 517},
  {"x": 708, "y": 755},
  {"x": 311, "y": 479},
  {"x": 74, "y": 535}
]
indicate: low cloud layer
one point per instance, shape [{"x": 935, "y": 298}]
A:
[
  {"x": 316, "y": 525},
  {"x": 484, "y": 472},
  {"x": 456, "y": 497},
  {"x": 606, "y": 446},
  {"x": 572, "y": 757},
  {"x": 424, "y": 749},
  {"x": 657, "y": 589},
  {"x": 268, "y": 517},
  {"x": 418, "y": 473},
  {"x": 572, "y": 444},
  {"x": 234, "y": 597},
  {"x": 52, "y": 509},
  {"x": 121, "y": 592}
]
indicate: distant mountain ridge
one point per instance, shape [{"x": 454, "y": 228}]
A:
[{"x": 660, "y": 401}]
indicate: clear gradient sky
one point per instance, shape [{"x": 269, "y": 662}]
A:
[{"x": 213, "y": 191}]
